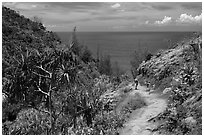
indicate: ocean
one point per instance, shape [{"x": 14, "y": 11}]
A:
[{"x": 121, "y": 45}]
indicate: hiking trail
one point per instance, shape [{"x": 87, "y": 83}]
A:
[{"x": 138, "y": 123}]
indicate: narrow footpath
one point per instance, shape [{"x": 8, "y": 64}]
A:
[{"x": 138, "y": 123}]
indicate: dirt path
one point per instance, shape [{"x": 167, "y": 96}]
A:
[{"x": 138, "y": 122}]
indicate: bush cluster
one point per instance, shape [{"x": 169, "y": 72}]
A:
[
  {"x": 177, "y": 70},
  {"x": 47, "y": 89},
  {"x": 184, "y": 112}
]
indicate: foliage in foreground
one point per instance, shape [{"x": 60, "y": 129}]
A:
[
  {"x": 178, "y": 70},
  {"x": 184, "y": 112},
  {"x": 48, "y": 90}
]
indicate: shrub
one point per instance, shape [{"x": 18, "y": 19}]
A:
[
  {"x": 139, "y": 56},
  {"x": 86, "y": 55},
  {"x": 51, "y": 91},
  {"x": 148, "y": 56},
  {"x": 184, "y": 113},
  {"x": 105, "y": 65},
  {"x": 108, "y": 124},
  {"x": 134, "y": 103},
  {"x": 30, "y": 121}
]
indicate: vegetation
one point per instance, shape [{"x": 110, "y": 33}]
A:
[
  {"x": 48, "y": 87},
  {"x": 139, "y": 56},
  {"x": 105, "y": 66},
  {"x": 134, "y": 103},
  {"x": 177, "y": 73}
]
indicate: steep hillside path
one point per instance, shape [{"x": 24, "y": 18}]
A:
[{"x": 138, "y": 123}]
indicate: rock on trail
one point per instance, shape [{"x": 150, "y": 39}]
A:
[{"x": 138, "y": 122}]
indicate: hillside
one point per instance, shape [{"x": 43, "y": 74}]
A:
[
  {"x": 176, "y": 75},
  {"x": 40, "y": 79},
  {"x": 50, "y": 88},
  {"x": 53, "y": 88}
]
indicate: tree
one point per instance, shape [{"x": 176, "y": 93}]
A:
[
  {"x": 139, "y": 56},
  {"x": 48, "y": 89},
  {"x": 105, "y": 65},
  {"x": 148, "y": 56},
  {"x": 74, "y": 44},
  {"x": 98, "y": 55},
  {"x": 37, "y": 19},
  {"x": 86, "y": 55}
]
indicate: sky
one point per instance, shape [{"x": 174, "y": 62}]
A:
[{"x": 110, "y": 16}]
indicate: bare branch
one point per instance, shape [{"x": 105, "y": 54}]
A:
[
  {"x": 67, "y": 76},
  {"x": 70, "y": 46},
  {"x": 39, "y": 81},
  {"x": 80, "y": 106},
  {"x": 50, "y": 74},
  {"x": 54, "y": 88},
  {"x": 80, "y": 112},
  {"x": 39, "y": 89},
  {"x": 41, "y": 75},
  {"x": 63, "y": 66}
]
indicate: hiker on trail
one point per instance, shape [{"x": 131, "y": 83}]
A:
[
  {"x": 136, "y": 83},
  {"x": 147, "y": 84}
]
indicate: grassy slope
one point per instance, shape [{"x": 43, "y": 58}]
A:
[
  {"x": 177, "y": 72},
  {"x": 22, "y": 37},
  {"x": 23, "y": 41}
]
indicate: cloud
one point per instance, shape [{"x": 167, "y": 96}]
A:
[
  {"x": 192, "y": 5},
  {"x": 24, "y": 6},
  {"x": 166, "y": 20},
  {"x": 57, "y": 6},
  {"x": 185, "y": 18},
  {"x": 34, "y": 6},
  {"x": 115, "y": 6},
  {"x": 162, "y": 7},
  {"x": 147, "y": 22},
  {"x": 9, "y": 3}
]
